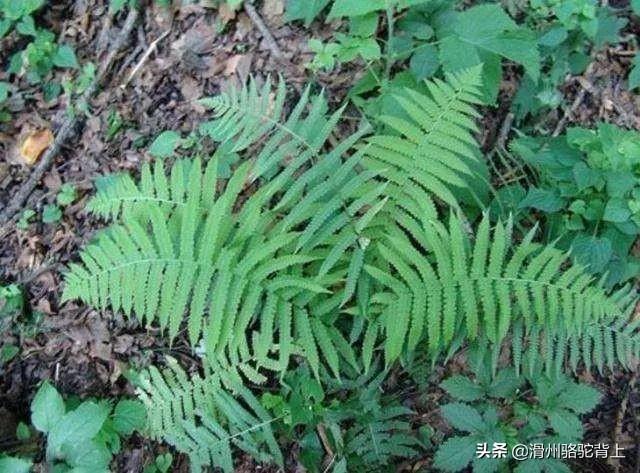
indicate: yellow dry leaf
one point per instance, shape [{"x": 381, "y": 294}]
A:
[{"x": 34, "y": 145}]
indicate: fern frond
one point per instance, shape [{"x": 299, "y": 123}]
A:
[
  {"x": 205, "y": 417},
  {"x": 180, "y": 247},
  {"x": 485, "y": 288},
  {"x": 432, "y": 155}
]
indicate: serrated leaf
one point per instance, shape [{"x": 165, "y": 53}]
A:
[
  {"x": 553, "y": 37},
  {"x": 592, "y": 252},
  {"x": 47, "y": 408},
  {"x": 455, "y": 454},
  {"x": 505, "y": 384},
  {"x": 129, "y": 415},
  {"x": 462, "y": 388},
  {"x": 542, "y": 199},
  {"x": 424, "y": 62},
  {"x": 65, "y": 57},
  {"x": 463, "y": 417},
  {"x": 580, "y": 398},
  {"x": 51, "y": 213},
  {"x": 566, "y": 424},
  {"x": 343, "y": 8},
  {"x": 88, "y": 455},
  {"x": 617, "y": 210},
  {"x": 80, "y": 425},
  {"x": 165, "y": 144},
  {"x": 483, "y": 34}
]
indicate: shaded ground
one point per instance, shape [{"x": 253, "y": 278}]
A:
[{"x": 87, "y": 352}]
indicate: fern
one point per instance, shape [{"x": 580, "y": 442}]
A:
[
  {"x": 487, "y": 287},
  {"x": 204, "y": 417},
  {"x": 432, "y": 155},
  {"x": 310, "y": 249},
  {"x": 381, "y": 434},
  {"x": 177, "y": 246}
]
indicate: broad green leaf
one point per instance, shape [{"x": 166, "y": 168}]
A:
[
  {"x": 462, "y": 388},
  {"x": 27, "y": 27},
  {"x": 553, "y": 37},
  {"x": 619, "y": 183},
  {"x": 80, "y": 425},
  {"x": 14, "y": 465},
  {"x": 363, "y": 26},
  {"x": 342, "y": 8},
  {"x": 8, "y": 352},
  {"x": 4, "y": 91},
  {"x": 463, "y": 417},
  {"x": 306, "y": 10},
  {"x": 87, "y": 455},
  {"x": 505, "y": 384},
  {"x": 65, "y": 57},
  {"x": 165, "y": 144},
  {"x": 47, "y": 408},
  {"x": 585, "y": 176},
  {"x": 617, "y": 210},
  {"x": 116, "y": 5},
  {"x": 51, "y": 213},
  {"x": 580, "y": 398},
  {"x": 592, "y": 252},
  {"x": 30, "y": 6},
  {"x": 13, "y": 11},
  {"x": 424, "y": 62},
  {"x": 484, "y": 31},
  {"x": 542, "y": 199},
  {"x": 566, "y": 424},
  {"x": 22, "y": 431},
  {"x": 608, "y": 28},
  {"x": 455, "y": 454},
  {"x": 129, "y": 415},
  {"x": 5, "y": 26}
]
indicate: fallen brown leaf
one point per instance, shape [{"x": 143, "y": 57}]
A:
[{"x": 34, "y": 145}]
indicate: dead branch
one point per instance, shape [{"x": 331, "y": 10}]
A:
[
  {"x": 585, "y": 86},
  {"x": 266, "y": 34},
  {"x": 152, "y": 47}
]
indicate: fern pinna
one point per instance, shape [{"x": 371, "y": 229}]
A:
[{"x": 309, "y": 250}]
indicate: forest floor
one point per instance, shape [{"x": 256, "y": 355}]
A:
[{"x": 179, "y": 55}]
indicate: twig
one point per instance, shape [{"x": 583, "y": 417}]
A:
[
  {"x": 322, "y": 433},
  {"x": 266, "y": 34},
  {"x": 585, "y": 79},
  {"x": 505, "y": 128},
  {"x": 152, "y": 47},
  {"x": 68, "y": 127},
  {"x": 568, "y": 113}
]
